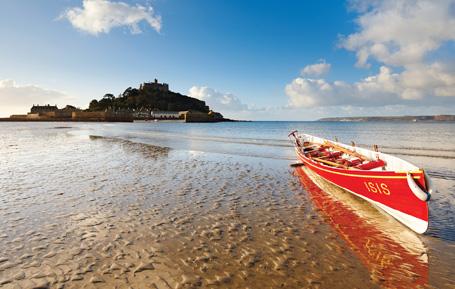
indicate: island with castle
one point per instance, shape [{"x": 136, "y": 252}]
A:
[{"x": 151, "y": 101}]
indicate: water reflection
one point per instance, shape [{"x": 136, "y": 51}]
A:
[{"x": 394, "y": 256}]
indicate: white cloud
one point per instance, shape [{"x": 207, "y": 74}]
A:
[
  {"x": 100, "y": 16},
  {"x": 218, "y": 101},
  {"x": 422, "y": 85},
  {"x": 399, "y": 35},
  {"x": 316, "y": 69},
  {"x": 19, "y": 98},
  {"x": 307, "y": 92},
  {"x": 400, "y": 32}
]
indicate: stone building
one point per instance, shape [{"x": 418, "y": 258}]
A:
[
  {"x": 164, "y": 87},
  {"x": 43, "y": 108},
  {"x": 51, "y": 112},
  {"x": 70, "y": 108},
  {"x": 198, "y": 116},
  {"x": 157, "y": 114},
  {"x": 112, "y": 116}
]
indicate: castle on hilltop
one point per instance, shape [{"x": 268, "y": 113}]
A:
[
  {"x": 151, "y": 101},
  {"x": 164, "y": 87}
]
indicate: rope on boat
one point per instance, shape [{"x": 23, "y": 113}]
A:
[
  {"x": 430, "y": 187},
  {"x": 418, "y": 192}
]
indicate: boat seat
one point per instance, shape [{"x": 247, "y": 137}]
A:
[
  {"x": 336, "y": 154},
  {"x": 316, "y": 153},
  {"x": 354, "y": 162},
  {"x": 371, "y": 165},
  {"x": 349, "y": 163},
  {"x": 331, "y": 155},
  {"x": 309, "y": 148}
]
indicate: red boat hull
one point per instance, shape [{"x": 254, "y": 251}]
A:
[
  {"x": 387, "y": 189},
  {"x": 388, "y": 259}
]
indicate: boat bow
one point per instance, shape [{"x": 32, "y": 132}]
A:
[{"x": 392, "y": 184}]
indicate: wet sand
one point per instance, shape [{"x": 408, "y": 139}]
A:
[{"x": 94, "y": 212}]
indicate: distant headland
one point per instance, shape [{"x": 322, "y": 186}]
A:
[
  {"x": 419, "y": 118},
  {"x": 151, "y": 101}
]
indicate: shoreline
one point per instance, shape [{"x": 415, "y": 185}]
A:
[
  {"x": 402, "y": 118},
  {"x": 125, "y": 121}
]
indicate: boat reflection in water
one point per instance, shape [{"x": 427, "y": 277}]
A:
[{"x": 393, "y": 254}]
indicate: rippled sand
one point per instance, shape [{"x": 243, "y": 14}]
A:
[{"x": 91, "y": 212}]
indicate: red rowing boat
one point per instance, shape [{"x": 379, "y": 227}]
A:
[
  {"x": 396, "y": 257},
  {"x": 398, "y": 187}
]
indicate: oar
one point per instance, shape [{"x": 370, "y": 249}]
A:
[
  {"x": 330, "y": 163},
  {"x": 295, "y": 165},
  {"x": 345, "y": 150}
]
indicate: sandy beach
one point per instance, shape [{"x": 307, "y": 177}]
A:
[
  {"x": 82, "y": 211},
  {"x": 227, "y": 144}
]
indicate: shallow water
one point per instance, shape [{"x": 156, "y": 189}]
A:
[{"x": 164, "y": 205}]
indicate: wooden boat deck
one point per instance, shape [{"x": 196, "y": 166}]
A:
[{"x": 336, "y": 156}]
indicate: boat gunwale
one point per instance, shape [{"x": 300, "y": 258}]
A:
[
  {"x": 363, "y": 173},
  {"x": 415, "y": 170}
]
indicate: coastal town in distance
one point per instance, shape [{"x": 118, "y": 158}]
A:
[
  {"x": 151, "y": 101},
  {"x": 154, "y": 101}
]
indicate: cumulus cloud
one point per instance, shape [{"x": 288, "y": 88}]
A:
[
  {"x": 19, "y": 98},
  {"x": 218, "y": 101},
  {"x": 307, "y": 92},
  {"x": 399, "y": 35},
  {"x": 400, "y": 32},
  {"x": 100, "y": 16},
  {"x": 316, "y": 69},
  {"x": 424, "y": 84}
]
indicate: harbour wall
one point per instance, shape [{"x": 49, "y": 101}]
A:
[{"x": 109, "y": 116}]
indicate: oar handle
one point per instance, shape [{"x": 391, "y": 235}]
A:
[
  {"x": 296, "y": 139},
  {"x": 292, "y": 133}
]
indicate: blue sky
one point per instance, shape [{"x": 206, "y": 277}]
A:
[{"x": 244, "y": 58}]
